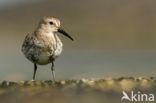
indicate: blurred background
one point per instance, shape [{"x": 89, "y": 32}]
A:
[{"x": 113, "y": 38}]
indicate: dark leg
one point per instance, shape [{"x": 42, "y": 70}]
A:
[
  {"x": 52, "y": 69},
  {"x": 35, "y": 69}
]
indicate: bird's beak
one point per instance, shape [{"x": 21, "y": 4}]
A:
[{"x": 64, "y": 33}]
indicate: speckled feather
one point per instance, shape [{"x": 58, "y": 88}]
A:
[{"x": 42, "y": 46}]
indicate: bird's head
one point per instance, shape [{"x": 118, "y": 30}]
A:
[{"x": 53, "y": 25}]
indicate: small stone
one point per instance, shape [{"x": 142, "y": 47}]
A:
[{"x": 63, "y": 82}]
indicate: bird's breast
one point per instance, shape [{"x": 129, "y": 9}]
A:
[{"x": 52, "y": 49}]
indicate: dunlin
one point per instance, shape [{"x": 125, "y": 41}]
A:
[{"x": 43, "y": 46}]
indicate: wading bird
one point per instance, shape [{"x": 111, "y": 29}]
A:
[{"x": 44, "y": 46}]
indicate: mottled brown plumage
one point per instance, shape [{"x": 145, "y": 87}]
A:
[{"x": 44, "y": 46}]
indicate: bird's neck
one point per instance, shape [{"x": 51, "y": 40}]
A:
[
  {"x": 41, "y": 32},
  {"x": 43, "y": 29}
]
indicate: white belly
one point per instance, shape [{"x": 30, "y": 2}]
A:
[{"x": 45, "y": 58}]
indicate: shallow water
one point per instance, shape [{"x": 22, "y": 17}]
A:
[{"x": 78, "y": 64}]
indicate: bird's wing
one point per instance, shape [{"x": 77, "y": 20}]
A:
[
  {"x": 31, "y": 47},
  {"x": 26, "y": 42},
  {"x": 31, "y": 41}
]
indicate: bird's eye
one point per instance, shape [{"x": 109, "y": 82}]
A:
[{"x": 51, "y": 23}]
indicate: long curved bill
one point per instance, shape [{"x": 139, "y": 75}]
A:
[{"x": 64, "y": 33}]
